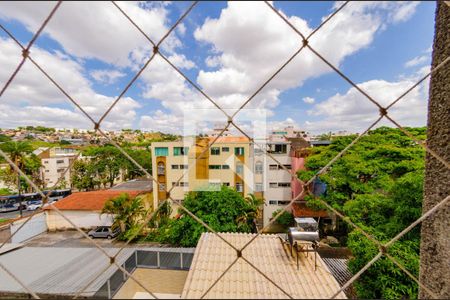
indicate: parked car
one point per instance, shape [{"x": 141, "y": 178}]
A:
[
  {"x": 9, "y": 207},
  {"x": 33, "y": 205},
  {"x": 104, "y": 232}
]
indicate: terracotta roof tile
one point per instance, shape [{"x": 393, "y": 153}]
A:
[
  {"x": 90, "y": 200},
  {"x": 230, "y": 139},
  {"x": 242, "y": 281},
  {"x": 301, "y": 210}
]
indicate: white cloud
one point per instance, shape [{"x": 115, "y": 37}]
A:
[
  {"x": 309, "y": 100},
  {"x": 106, "y": 76},
  {"x": 354, "y": 112},
  {"x": 416, "y": 61},
  {"x": 98, "y": 30},
  {"x": 34, "y": 96}
]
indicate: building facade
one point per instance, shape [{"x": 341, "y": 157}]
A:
[
  {"x": 228, "y": 162},
  {"x": 55, "y": 161}
]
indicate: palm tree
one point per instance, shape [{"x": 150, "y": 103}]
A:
[
  {"x": 127, "y": 211},
  {"x": 249, "y": 217}
]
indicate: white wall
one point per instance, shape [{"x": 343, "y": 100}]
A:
[
  {"x": 82, "y": 219},
  {"x": 35, "y": 226}
]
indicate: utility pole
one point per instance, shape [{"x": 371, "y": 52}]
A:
[{"x": 435, "y": 236}]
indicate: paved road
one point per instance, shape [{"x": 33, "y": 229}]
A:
[{"x": 13, "y": 214}]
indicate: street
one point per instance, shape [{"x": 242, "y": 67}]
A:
[{"x": 14, "y": 214}]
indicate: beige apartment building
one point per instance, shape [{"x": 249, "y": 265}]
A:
[
  {"x": 54, "y": 162},
  {"x": 228, "y": 162}
]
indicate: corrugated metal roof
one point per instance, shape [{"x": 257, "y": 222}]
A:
[
  {"x": 267, "y": 253},
  {"x": 135, "y": 185},
  {"x": 48, "y": 270},
  {"x": 339, "y": 269}
]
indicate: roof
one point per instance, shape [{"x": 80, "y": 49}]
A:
[
  {"x": 229, "y": 139},
  {"x": 134, "y": 185},
  {"x": 301, "y": 210},
  {"x": 89, "y": 200},
  {"x": 52, "y": 270},
  {"x": 339, "y": 269},
  {"x": 213, "y": 256}
]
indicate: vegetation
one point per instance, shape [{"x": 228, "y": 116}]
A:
[
  {"x": 128, "y": 213},
  {"x": 378, "y": 185},
  {"x": 224, "y": 211},
  {"x": 286, "y": 219},
  {"x": 5, "y": 192},
  {"x": 105, "y": 164}
]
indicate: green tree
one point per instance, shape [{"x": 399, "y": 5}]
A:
[
  {"x": 84, "y": 176},
  {"x": 17, "y": 152},
  {"x": 225, "y": 211},
  {"x": 127, "y": 212},
  {"x": 377, "y": 184},
  {"x": 286, "y": 219}
]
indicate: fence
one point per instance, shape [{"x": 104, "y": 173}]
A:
[
  {"x": 304, "y": 42},
  {"x": 35, "y": 226},
  {"x": 156, "y": 258}
]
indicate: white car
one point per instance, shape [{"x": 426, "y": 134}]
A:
[{"x": 33, "y": 205}]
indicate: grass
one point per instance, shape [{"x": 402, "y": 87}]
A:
[{"x": 3, "y": 221}]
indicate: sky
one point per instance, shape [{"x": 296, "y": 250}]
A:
[{"x": 228, "y": 49}]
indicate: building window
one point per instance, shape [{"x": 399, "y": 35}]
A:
[
  {"x": 162, "y": 187},
  {"x": 273, "y": 167},
  {"x": 278, "y": 148},
  {"x": 273, "y": 202},
  {"x": 226, "y": 184},
  {"x": 161, "y": 151},
  {"x": 215, "y": 167},
  {"x": 284, "y": 184},
  {"x": 177, "y": 151},
  {"x": 273, "y": 184},
  {"x": 161, "y": 169},
  {"x": 182, "y": 167},
  {"x": 239, "y": 151},
  {"x": 60, "y": 161},
  {"x": 45, "y": 161},
  {"x": 46, "y": 171},
  {"x": 239, "y": 187},
  {"x": 215, "y": 150},
  {"x": 259, "y": 167},
  {"x": 258, "y": 151},
  {"x": 174, "y": 167},
  {"x": 225, "y": 149},
  {"x": 225, "y": 167},
  {"x": 239, "y": 168},
  {"x": 286, "y": 166},
  {"x": 60, "y": 170},
  {"x": 283, "y": 202},
  {"x": 182, "y": 184},
  {"x": 258, "y": 187}
]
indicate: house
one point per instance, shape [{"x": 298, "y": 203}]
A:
[
  {"x": 83, "y": 209},
  {"x": 268, "y": 254},
  {"x": 55, "y": 161}
]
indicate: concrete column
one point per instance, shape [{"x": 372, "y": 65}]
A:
[{"x": 435, "y": 235}]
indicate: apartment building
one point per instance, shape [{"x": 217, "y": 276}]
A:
[
  {"x": 275, "y": 174},
  {"x": 54, "y": 162},
  {"x": 228, "y": 162}
]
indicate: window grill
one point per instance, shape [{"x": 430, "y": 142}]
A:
[{"x": 97, "y": 125}]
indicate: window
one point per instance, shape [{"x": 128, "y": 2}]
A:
[
  {"x": 215, "y": 167},
  {"x": 182, "y": 167},
  {"x": 45, "y": 161},
  {"x": 177, "y": 151},
  {"x": 225, "y": 149},
  {"x": 161, "y": 151},
  {"x": 46, "y": 171},
  {"x": 215, "y": 150},
  {"x": 283, "y": 202},
  {"x": 273, "y": 202},
  {"x": 273, "y": 167},
  {"x": 161, "y": 168},
  {"x": 239, "y": 168},
  {"x": 239, "y": 187},
  {"x": 278, "y": 148},
  {"x": 60, "y": 170},
  {"x": 286, "y": 166},
  {"x": 258, "y": 167},
  {"x": 258, "y": 151},
  {"x": 258, "y": 187},
  {"x": 60, "y": 161},
  {"x": 284, "y": 184},
  {"x": 225, "y": 167},
  {"x": 182, "y": 184},
  {"x": 174, "y": 167},
  {"x": 226, "y": 184},
  {"x": 273, "y": 184},
  {"x": 162, "y": 187},
  {"x": 239, "y": 151}
]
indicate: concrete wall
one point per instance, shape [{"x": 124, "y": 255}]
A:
[
  {"x": 35, "y": 226},
  {"x": 435, "y": 243},
  {"x": 82, "y": 219}
]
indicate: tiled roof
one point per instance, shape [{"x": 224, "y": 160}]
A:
[
  {"x": 89, "y": 200},
  {"x": 301, "y": 210},
  {"x": 267, "y": 253},
  {"x": 230, "y": 139}
]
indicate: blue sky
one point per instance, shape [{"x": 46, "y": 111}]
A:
[{"x": 229, "y": 49}]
